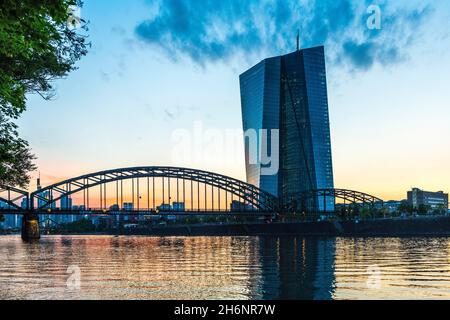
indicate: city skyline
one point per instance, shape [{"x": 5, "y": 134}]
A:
[{"x": 119, "y": 108}]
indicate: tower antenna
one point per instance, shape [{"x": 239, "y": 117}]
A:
[{"x": 298, "y": 39}]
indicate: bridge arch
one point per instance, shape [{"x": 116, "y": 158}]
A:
[
  {"x": 10, "y": 196},
  {"x": 256, "y": 198},
  {"x": 318, "y": 199}
]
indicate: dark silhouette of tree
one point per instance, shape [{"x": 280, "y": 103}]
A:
[
  {"x": 440, "y": 209},
  {"x": 423, "y": 209},
  {"x": 16, "y": 158},
  {"x": 405, "y": 207}
]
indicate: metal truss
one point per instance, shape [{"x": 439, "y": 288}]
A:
[
  {"x": 251, "y": 195},
  {"x": 311, "y": 198},
  {"x": 10, "y": 195}
]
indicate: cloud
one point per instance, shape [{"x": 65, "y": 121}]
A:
[
  {"x": 118, "y": 30},
  {"x": 172, "y": 113},
  {"x": 211, "y": 30},
  {"x": 104, "y": 76}
]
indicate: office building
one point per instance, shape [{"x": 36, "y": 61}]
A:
[
  {"x": 287, "y": 96},
  {"x": 66, "y": 203},
  {"x": 433, "y": 200}
]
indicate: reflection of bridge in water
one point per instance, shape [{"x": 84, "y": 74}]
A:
[{"x": 180, "y": 191}]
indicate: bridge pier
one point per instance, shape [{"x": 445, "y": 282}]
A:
[{"x": 30, "y": 227}]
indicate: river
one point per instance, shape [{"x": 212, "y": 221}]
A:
[{"x": 108, "y": 267}]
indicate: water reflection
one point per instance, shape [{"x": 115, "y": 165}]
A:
[
  {"x": 224, "y": 268},
  {"x": 410, "y": 268},
  {"x": 297, "y": 268}
]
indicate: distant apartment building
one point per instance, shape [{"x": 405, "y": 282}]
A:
[
  {"x": 236, "y": 206},
  {"x": 114, "y": 207},
  {"x": 164, "y": 207},
  {"x": 393, "y": 206},
  {"x": 178, "y": 206},
  {"x": 128, "y": 206},
  {"x": 11, "y": 220},
  {"x": 65, "y": 204},
  {"x": 102, "y": 220},
  {"x": 434, "y": 200}
]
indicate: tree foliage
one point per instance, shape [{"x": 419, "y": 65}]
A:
[
  {"x": 405, "y": 207},
  {"x": 38, "y": 46},
  {"x": 16, "y": 159},
  {"x": 423, "y": 209}
]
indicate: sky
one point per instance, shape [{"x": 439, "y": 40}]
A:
[{"x": 159, "y": 70}]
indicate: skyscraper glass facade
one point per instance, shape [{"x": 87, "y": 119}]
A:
[
  {"x": 260, "y": 93},
  {"x": 289, "y": 93}
]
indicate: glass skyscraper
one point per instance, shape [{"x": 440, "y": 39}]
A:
[{"x": 289, "y": 94}]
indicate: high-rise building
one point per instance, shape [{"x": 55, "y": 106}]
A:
[
  {"x": 127, "y": 206},
  {"x": 24, "y": 203},
  {"x": 41, "y": 202},
  {"x": 66, "y": 203},
  {"x": 287, "y": 96}
]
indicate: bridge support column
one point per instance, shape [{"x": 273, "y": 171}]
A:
[{"x": 30, "y": 227}]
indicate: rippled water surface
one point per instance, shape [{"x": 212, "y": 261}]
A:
[{"x": 224, "y": 268}]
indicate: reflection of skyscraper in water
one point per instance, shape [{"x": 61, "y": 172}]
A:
[
  {"x": 297, "y": 268},
  {"x": 325, "y": 270}
]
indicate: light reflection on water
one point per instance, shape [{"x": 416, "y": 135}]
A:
[{"x": 225, "y": 268}]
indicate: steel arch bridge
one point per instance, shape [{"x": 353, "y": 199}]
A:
[
  {"x": 252, "y": 198},
  {"x": 311, "y": 200},
  {"x": 249, "y": 197},
  {"x": 9, "y": 197}
]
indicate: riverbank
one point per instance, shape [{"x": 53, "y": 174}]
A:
[
  {"x": 418, "y": 226},
  {"x": 390, "y": 227}
]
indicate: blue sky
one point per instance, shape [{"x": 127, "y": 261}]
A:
[{"x": 158, "y": 66}]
